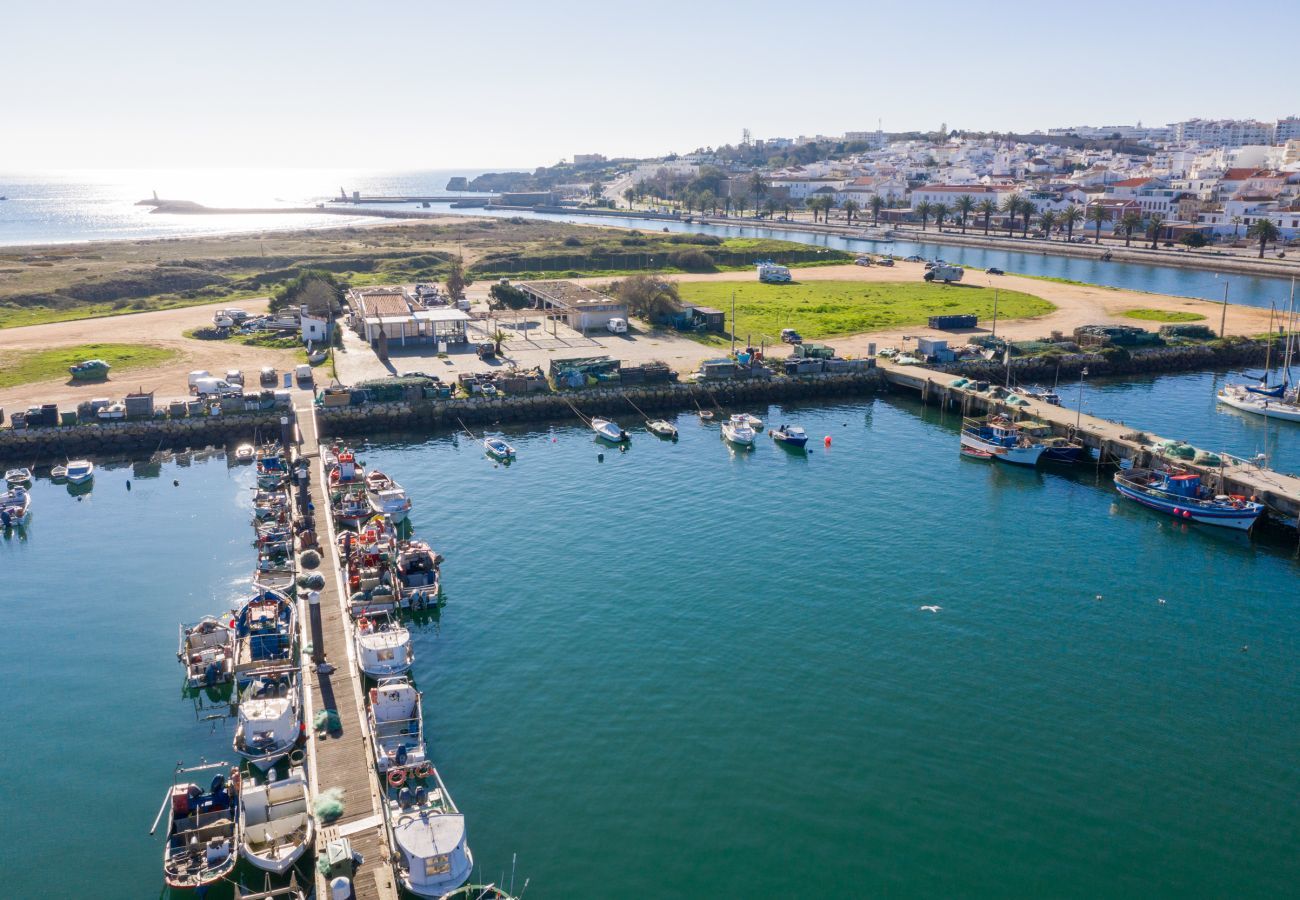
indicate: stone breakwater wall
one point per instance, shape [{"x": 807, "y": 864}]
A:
[
  {"x": 1149, "y": 360},
  {"x": 125, "y": 437},
  {"x": 405, "y": 415}
]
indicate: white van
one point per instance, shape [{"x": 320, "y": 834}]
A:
[
  {"x": 211, "y": 387},
  {"x": 303, "y": 374},
  {"x": 617, "y": 325},
  {"x": 196, "y": 375}
]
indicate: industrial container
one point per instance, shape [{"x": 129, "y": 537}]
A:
[{"x": 949, "y": 322}]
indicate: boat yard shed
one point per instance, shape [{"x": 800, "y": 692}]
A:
[
  {"x": 579, "y": 306},
  {"x": 391, "y": 315}
]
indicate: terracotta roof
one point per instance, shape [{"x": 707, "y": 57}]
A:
[
  {"x": 385, "y": 304},
  {"x": 1241, "y": 174},
  {"x": 1131, "y": 182}
]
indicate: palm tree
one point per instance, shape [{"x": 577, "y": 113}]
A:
[
  {"x": 1048, "y": 221},
  {"x": 924, "y": 209},
  {"x": 742, "y": 200},
  {"x": 1153, "y": 231},
  {"x": 1097, "y": 215},
  {"x": 1011, "y": 206},
  {"x": 1071, "y": 216},
  {"x": 986, "y": 208},
  {"x": 828, "y": 203},
  {"x": 758, "y": 185},
  {"x": 1236, "y": 226},
  {"x": 1028, "y": 208},
  {"x": 877, "y": 204},
  {"x": 498, "y": 338},
  {"x": 940, "y": 211},
  {"x": 850, "y": 208},
  {"x": 1265, "y": 231},
  {"x": 965, "y": 206},
  {"x": 629, "y": 195},
  {"x": 1130, "y": 222}
]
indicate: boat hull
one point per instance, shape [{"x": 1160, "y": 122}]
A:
[
  {"x": 1240, "y": 520},
  {"x": 1016, "y": 456},
  {"x": 1262, "y": 406},
  {"x": 790, "y": 441}
]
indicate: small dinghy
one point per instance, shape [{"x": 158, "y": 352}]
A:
[
  {"x": 498, "y": 449},
  {"x": 202, "y": 829},
  {"x": 383, "y": 645},
  {"x": 975, "y": 453},
  {"x": 270, "y": 717},
  {"x": 396, "y": 724},
  {"x": 59, "y": 473},
  {"x": 19, "y": 476},
  {"x": 275, "y": 822},
  {"x": 15, "y": 507},
  {"x": 662, "y": 428},
  {"x": 244, "y": 453},
  {"x": 790, "y": 436},
  {"x": 753, "y": 422},
  {"x": 608, "y": 430},
  {"x": 706, "y": 415},
  {"x": 207, "y": 650},
  {"x": 80, "y": 471}
]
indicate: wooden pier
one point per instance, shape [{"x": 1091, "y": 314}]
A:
[
  {"x": 340, "y": 758},
  {"x": 1112, "y": 440}
]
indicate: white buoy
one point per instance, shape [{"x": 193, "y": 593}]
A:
[
  {"x": 313, "y": 598},
  {"x": 341, "y": 888}
]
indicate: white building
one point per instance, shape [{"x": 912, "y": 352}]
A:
[{"x": 1223, "y": 132}]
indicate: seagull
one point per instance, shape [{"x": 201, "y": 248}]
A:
[
  {"x": 1161, "y": 601},
  {"x": 931, "y": 608},
  {"x": 1099, "y": 596}
]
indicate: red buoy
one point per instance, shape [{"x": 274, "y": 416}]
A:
[{"x": 827, "y": 440}]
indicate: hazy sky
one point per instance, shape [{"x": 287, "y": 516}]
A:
[{"x": 492, "y": 83}]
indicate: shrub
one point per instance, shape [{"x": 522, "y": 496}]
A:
[
  {"x": 693, "y": 261},
  {"x": 572, "y": 241}
]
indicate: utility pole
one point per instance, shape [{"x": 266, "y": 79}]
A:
[
  {"x": 1223, "y": 319},
  {"x": 995, "y": 313},
  {"x": 733, "y": 323},
  {"x": 1078, "y": 419}
]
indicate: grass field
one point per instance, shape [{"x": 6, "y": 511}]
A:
[
  {"x": 1163, "y": 315},
  {"x": 24, "y": 367},
  {"x": 822, "y": 309}
]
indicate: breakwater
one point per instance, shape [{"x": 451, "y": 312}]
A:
[{"x": 100, "y": 439}]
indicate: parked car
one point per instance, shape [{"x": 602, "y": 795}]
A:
[
  {"x": 485, "y": 350},
  {"x": 303, "y": 374},
  {"x": 913, "y": 258},
  {"x": 234, "y": 376},
  {"x": 885, "y": 261},
  {"x": 994, "y": 270},
  {"x": 790, "y": 336},
  {"x": 268, "y": 375},
  {"x": 862, "y": 261}
]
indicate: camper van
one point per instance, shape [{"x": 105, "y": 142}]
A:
[
  {"x": 617, "y": 325},
  {"x": 945, "y": 273}
]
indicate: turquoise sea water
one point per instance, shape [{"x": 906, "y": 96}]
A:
[{"x": 690, "y": 672}]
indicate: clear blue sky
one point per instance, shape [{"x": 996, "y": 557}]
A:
[{"x": 431, "y": 85}]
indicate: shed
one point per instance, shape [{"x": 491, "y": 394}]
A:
[
  {"x": 706, "y": 318},
  {"x": 934, "y": 349}
]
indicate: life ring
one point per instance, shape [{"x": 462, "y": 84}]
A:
[
  {"x": 396, "y": 777},
  {"x": 363, "y": 624},
  {"x": 424, "y": 770}
]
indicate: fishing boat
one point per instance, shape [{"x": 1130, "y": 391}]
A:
[
  {"x": 352, "y": 505},
  {"x": 1041, "y": 394},
  {"x": 244, "y": 453},
  {"x": 753, "y": 422},
  {"x": 430, "y": 851},
  {"x": 275, "y": 822},
  {"x": 59, "y": 473},
  {"x": 387, "y": 497},
  {"x": 417, "y": 574},
  {"x": 266, "y": 633},
  {"x": 738, "y": 431},
  {"x": 383, "y": 644},
  {"x": 80, "y": 471},
  {"x": 343, "y": 468},
  {"x": 15, "y": 507},
  {"x": 202, "y": 828},
  {"x": 270, "y": 504},
  {"x": 274, "y": 538},
  {"x": 19, "y": 476},
  {"x": 1006, "y": 440},
  {"x": 207, "y": 651},
  {"x": 396, "y": 723},
  {"x": 272, "y": 470},
  {"x": 790, "y": 436},
  {"x": 608, "y": 430},
  {"x": 498, "y": 449},
  {"x": 662, "y": 428},
  {"x": 1179, "y": 493},
  {"x": 270, "y": 717},
  {"x": 1055, "y": 449},
  {"x": 477, "y": 892}
]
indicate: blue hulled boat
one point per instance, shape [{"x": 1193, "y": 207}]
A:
[
  {"x": 790, "y": 435},
  {"x": 1179, "y": 493},
  {"x": 1006, "y": 440}
]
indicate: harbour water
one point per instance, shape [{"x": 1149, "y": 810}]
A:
[{"x": 685, "y": 671}]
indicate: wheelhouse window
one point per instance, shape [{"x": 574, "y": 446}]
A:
[{"x": 437, "y": 865}]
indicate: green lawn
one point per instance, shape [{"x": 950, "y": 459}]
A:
[
  {"x": 1163, "y": 315},
  {"x": 26, "y": 366},
  {"x": 822, "y": 309}
]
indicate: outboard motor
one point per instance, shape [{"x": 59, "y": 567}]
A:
[
  {"x": 401, "y": 755},
  {"x": 404, "y": 797}
]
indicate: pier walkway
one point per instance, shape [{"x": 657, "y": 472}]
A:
[
  {"x": 1280, "y": 492},
  {"x": 339, "y": 758}
]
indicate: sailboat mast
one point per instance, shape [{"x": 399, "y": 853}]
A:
[{"x": 1290, "y": 334}]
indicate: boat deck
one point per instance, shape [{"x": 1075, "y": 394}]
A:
[
  {"x": 1278, "y": 491},
  {"x": 340, "y": 759}
]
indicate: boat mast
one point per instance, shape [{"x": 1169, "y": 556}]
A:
[{"x": 1290, "y": 334}]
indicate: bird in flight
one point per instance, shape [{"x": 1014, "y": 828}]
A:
[{"x": 931, "y": 608}]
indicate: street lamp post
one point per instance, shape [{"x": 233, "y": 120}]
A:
[
  {"x": 1078, "y": 419},
  {"x": 1223, "y": 319}
]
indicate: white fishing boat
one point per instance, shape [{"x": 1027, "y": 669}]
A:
[
  {"x": 207, "y": 650},
  {"x": 738, "y": 430},
  {"x": 1006, "y": 440},
  {"x": 396, "y": 724},
  {"x": 266, "y": 633},
  {"x": 270, "y": 717},
  {"x": 417, "y": 574},
  {"x": 383, "y": 645},
  {"x": 275, "y": 822},
  {"x": 431, "y": 852},
  {"x": 387, "y": 497},
  {"x": 80, "y": 471},
  {"x": 202, "y": 829},
  {"x": 15, "y": 507},
  {"x": 608, "y": 430},
  {"x": 19, "y": 476},
  {"x": 662, "y": 428},
  {"x": 341, "y": 463},
  {"x": 497, "y": 448}
]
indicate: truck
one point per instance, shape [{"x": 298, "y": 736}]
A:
[{"x": 945, "y": 273}]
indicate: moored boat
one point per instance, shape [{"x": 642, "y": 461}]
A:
[
  {"x": 272, "y": 470},
  {"x": 387, "y": 497},
  {"x": 202, "y": 829},
  {"x": 790, "y": 435},
  {"x": 1180, "y": 493},
  {"x": 343, "y": 468},
  {"x": 608, "y": 430},
  {"x": 59, "y": 473},
  {"x": 417, "y": 574},
  {"x": 80, "y": 471},
  {"x": 383, "y": 644},
  {"x": 477, "y": 892},
  {"x": 738, "y": 431},
  {"x": 662, "y": 427},
  {"x": 207, "y": 650},
  {"x": 752, "y": 421},
  {"x": 396, "y": 724},
  {"x": 266, "y": 633},
  {"x": 15, "y": 507},
  {"x": 270, "y": 717},
  {"x": 498, "y": 449},
  {"x": 1259, "y": 403},
  {"x": 18, "y": 476},
  {"x": 244, "y": 453},
  {"x": 275, "y": 822},
  {"x": 1006, "y": 440}
]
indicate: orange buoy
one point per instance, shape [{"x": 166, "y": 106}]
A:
[{"x": 827, "y": 440}]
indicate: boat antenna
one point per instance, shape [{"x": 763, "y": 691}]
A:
[{"x": 514, "y": 858}]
